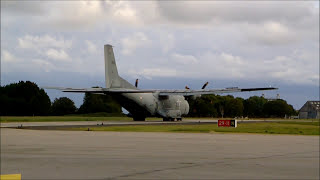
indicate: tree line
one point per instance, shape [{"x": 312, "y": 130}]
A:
[
  {"x": 229, "y": 106},
  {"x": 27, "y": 99}
]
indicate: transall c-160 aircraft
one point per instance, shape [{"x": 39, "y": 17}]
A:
[{"x": 169, "y": 104}]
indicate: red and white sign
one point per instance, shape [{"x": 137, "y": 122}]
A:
[{"x": 227, "y": 123}]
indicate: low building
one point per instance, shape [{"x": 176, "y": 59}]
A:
[{"x": 310, "y": 110}]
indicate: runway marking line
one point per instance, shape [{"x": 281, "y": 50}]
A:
[{"x": 10, "y": 177}]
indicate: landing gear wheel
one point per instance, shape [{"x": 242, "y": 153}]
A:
[
  {"x": 139, "y": 118},
  {"x": 168, "y": 119}
]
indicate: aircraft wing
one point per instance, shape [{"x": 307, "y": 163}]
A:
[
  {"x": 100, "y": 90},
  {"x": 79, "y": 90},
  {"x": 188, "y": 92},
  {"x": 162, "y": 92}
]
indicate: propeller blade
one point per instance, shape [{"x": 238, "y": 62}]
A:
[
  {"x": 136, "y": 84},
  {"x": 205, "y": 85}
]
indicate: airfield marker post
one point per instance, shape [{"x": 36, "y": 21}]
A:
[{"x": 227, "y": 123}]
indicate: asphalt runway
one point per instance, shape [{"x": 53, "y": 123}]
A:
[{"x": 39, "y": 154}]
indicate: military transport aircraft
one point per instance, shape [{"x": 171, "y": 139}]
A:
[{"x": 168, "y": 104}]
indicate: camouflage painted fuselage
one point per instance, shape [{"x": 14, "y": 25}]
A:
[{"x": 143, "y": 105}]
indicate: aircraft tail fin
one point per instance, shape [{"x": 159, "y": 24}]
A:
[{"x": 113, "y": 80}]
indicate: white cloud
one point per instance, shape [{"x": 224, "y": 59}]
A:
[
  {"x": 131, "y": 43},
  {"x": 91, "y": 47},
  {"x": 89, "y": 14},
  {"x": 292, "y": 70},
  {"x": 224, "y": 40},
  {"x": 184, "y": 59},
  {"x": 36, "y": 42},
  {"x": 231, "y": 60},
  {"x": 57, "y": 55},
  {"x": 219, "y": 66},
  {"x": 123, "y": 11},
  {"x": 6, "y": 56},
  {"x": 22, "y": 8},
  {"x": 272, "y": 33},
  {"x": 80, "y": 15},
  {"x": 222, "y": 66},
  {"x": 194, "y": 12},
  {"x": 168, "y": 42},
  {"x": 149, "y": 73},
  {"x": 208, "y": 65},
  {"x": 268, "y": 23},
  {"x": 75, "y": 14},
  {"x": 43, "y": 65},
  {"x": 271, "y": 23},
  {"x": 47, "y": 46}
]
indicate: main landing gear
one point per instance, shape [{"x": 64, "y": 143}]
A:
[
  {"x": 172, "y": 119},
  {"x": 135, "y": 118}
]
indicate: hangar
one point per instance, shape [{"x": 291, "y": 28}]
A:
[{"x": 310, "y": 110}]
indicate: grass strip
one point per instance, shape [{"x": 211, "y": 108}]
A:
[
  {"x": 301, "y": 128},
  {"x": 87, "y": 117}
]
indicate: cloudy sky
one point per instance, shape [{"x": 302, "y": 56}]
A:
[{"x": 165, "y": 44}]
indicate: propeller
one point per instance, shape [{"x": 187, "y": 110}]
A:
[
  {"x": 205, "y": 85},
  {"x": 136, "y": 84},
  {"x": 194, "y": 97}
]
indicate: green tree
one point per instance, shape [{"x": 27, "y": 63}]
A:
[
  {"x": 278, "y": 108},
  {"x": 63, "y": 106},
  {"x": 93, "y": 103},
  {"x": 253, "y": 107},
  {"x": 23, "y": 98},
  {"x": 206, "y": 106},
  {"x": 220, "y": 105},
  {"x": 232, "y": 107},
  {"x": 203, "y": 106}
]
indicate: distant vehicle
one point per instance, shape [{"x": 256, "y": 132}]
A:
[{"x": 165, "y": 103}]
